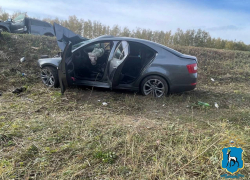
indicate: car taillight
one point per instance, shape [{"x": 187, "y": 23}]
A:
[{"x": 192, "y": 68}]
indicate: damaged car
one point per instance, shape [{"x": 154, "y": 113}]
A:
[
  {"x": 22, "y": 24},
  {"x": 118, "y": 63}
]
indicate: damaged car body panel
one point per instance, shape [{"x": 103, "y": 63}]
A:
[
  {"x": 25, "y": 25},
  {"x": 122, "y": 63},
  {"x": 49, "y": 62},
  {"x": 64, "y": 35}
]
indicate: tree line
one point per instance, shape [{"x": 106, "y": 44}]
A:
[{"x": 91, "y": 29}]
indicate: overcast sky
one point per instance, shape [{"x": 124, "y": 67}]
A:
[{"x": 228, "y": 19}]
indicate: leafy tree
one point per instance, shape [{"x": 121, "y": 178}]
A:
[
  {"x": 3, "y": 15},
  {"x": 116, "y": 30}
]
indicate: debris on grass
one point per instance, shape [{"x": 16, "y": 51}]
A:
[
  {"x": 19, "y": 90},
  {"x": 104, "y": 104},
  {"x": 158, "y": 142},
  {"x": 199, "y": 104},
  {"x": 36, "y": 48},
  {"x": 212, "y": 79},
  {"x": 203, "y": 104},
  {"x": 28, "y": 99},
  {"x": 216, "y": 105},
  {"x": 106, "y": 157},
  {"x": 22, "y": 59}
]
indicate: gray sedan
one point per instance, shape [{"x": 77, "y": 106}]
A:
[{"x": 118, "y": 63}]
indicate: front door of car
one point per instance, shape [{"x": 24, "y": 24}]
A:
[
  {"x": 116, "y": 63},
  {"x": 18, "y": 24},
  {"x": 62, "y": 68}
]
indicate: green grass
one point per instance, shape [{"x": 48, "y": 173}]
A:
[{"x": 46, "y": 135}]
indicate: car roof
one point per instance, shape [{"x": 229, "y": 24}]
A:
[
  {"x": 146, "y": 42},
  {"x": 65, "y": 35}
]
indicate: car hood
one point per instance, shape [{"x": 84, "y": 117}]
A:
[
  {"x": 64, "y": 35},
  {"x": 3, "y": 23}
]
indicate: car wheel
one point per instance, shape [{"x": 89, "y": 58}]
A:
[
  {"x": 49, "y": 76},
  {"x": 2, "y": 29},
  {"x": 50, "y": 35},
  {"x": 155, "y": 86}
]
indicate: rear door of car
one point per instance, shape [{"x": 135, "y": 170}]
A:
[
  {"x": 36, "y": 27},
  {"x": 62, "y": 68},
  {"x": 40, "y": 27},
  {"x": 116, "y": 63}
]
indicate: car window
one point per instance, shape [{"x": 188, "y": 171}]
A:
[
  {"x": 75, "y": 46},
  {"x": 121, "y": 51},
  {"x": 20, "y": 17},
  {"x": 39, "y": 23},
  {"x": 36, "y": 22},
  {"x": 45, "y": 24},
  {"x": 107, "y": 46}
]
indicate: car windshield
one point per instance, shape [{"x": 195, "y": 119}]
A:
[
  {"x": 75, "y": 46},
  {"x": 20, "y": 17}
]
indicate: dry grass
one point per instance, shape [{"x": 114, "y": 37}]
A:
[{"x": 44, "y": 135}]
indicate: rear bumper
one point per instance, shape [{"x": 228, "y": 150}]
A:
[{"x": 181, "y": 88}]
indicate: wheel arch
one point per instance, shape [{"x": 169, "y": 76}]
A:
[
  {"x": 5, "y": 27},
  {"x": 48, "y": 65},
  {"x": 49, "y": 34}
]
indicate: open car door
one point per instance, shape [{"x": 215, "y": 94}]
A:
[
  {"x": 18, "y": 24},
  {"x": 116, "y": 63},
  {"x": 62, "y": 68}
]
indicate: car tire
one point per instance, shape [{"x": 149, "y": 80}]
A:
[
  {"x": 155, "y": 86},
  {"x": 49, "y": 35},
  {"x": 49, "y": 76},
  {"x": 3, "y": 29}
]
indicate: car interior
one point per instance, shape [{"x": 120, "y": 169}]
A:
[
  {"x": 89, "y": 63},
  {"x": 138, "y": 58}
]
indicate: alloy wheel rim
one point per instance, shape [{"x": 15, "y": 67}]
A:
[
  {"x": 47, "y": 78},
  {"x": 154, "y": 87}
]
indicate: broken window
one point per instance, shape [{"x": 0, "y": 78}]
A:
[{"x": 20, "y": 17}]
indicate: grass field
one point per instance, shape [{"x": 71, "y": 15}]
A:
[{"x": 44, "y": 135}]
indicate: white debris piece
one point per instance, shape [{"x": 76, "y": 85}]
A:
[
  {"x": 99, "y": 100},
  {"x": 22, "y": 59},
  {"x": 216, "y": 105},
  {"x": 212, "y": 79},
  {"x": 104, "y": 104}
]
